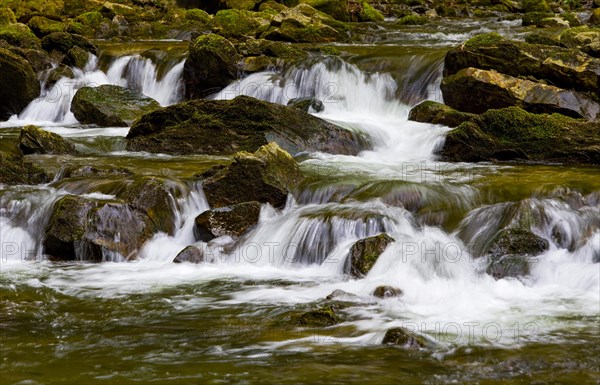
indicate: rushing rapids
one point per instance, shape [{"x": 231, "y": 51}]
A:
[{"x": 229, "y": 309}]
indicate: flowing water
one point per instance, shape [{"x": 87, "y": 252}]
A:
[{"x": 229, "y": 321}]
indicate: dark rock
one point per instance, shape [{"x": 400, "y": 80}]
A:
[
  {"x": 306, "y": 104},
  {"x": 43, "y": 26},
  {"x": 364, "y": 253},
  {"x": 438, "y": 113},
  {"x": 222, "y": 127},
  {"x": 110, "y": 106},
  {"x": 37, "y": 58},
  {"x": 341, "y": 295},
  {"x": 324, "y": 316},
  {"x": 402, "y": 337},
  {"x": 508, "y": 266},
  {"x": 34, "y": 140},
  {"x": 231, "y": 220},
  {"x": 212, "y": 64},
  {"x": 266, "y": 176},
  {"x": 535, "y": 38},
  {"x": 190, "y": 254},
  {"x": 18, "y": 84},
  {"x": 474, "y": 90},
  {"x": 63, "y": 42},
  {"x": 76, "y": 57},
  {"x": 14, "y": 169},
  {"x": 387, "y": 292},
  {"x": 58, "y": 73},
  {"x": 99, "y": 172}
]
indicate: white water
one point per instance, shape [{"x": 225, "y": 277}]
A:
[
  {"x": 135, "y": 72},
  {"x": 445, "y": 292}
]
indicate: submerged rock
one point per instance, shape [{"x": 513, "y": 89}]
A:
[
  {"x": 306, "y": 104},
  {"x": 387, "y": 292},
  {"x": 190, "y": 254},
  {"x": 222, "y": 127},
  {"x": 324, "y": 316},
  {"x": 14, "y": 169},
  {"x": 34, "y": 140},
  {"x": 266, "y": 176},
  {"x": 18, "y": 84},
  {"x": 364, "y": 253},
  {"x": 401, "y": 336},
  {"x": 230, "y": 220},
  {"x": 512, "y": 133},
  {"x": 474, "y": 90},
  {"x": 110, "y": 106},
  {"x": 438, "y": 113}
]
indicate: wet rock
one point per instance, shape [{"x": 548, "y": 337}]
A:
[
  {"x": 562, "y": 67},
  {"x": 364, "y": 253},
  {"x": 58, "y": 73},
  {"x": 368, "y": 13},
  {"x": 110, "y": 106},
  {"x": 222, "y": 127},
  {"x": 536, "y": 6},
  {"x": 402, "y": 337},
  {"x": 190, "y": 254},
  {"x": 18, "y": 84},
  {"x": 81, "y": 229},
  {"x": 19, "y": 35},
  {"x": 304, "y": 24},
  {"x": 96, "y": 172},
  {"x": 14, "y": 169},
  {"x": 212, "y": 64},
  {"x": 387, "y": 292},
  {"x": 63, "y": 42},
  {"x": 233, "y": 23},
  {"x": 438, "y": 113},
  {"x": 42, "y": 26},
  {"x": 34, "y": 140},
  {"x": 341, "y": 295},
  {"x": 508, "y": 266},
  {"x": 338, "y": 9},
  {"x": 512, "y": 133},
  {"x": 37, "y": 58},
  {"x": 324, "y": 316},
  {"x": 76, "y": 57},
  {"x": 413, "y": 20},
  {"x": 595, "y": 18},
  {"x": 584, "y": 38},
  {"x": 233, "y": 221},
  {"x": 307, "y": 104},
  {"x": 535, "y": 38},
  {"x": 266, "y": 176},
  {"x": 474, "y": 90},
  {"x": 260, "y": 54}
]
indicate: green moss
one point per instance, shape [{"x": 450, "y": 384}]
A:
[
  {"x": 14, "y": 169},
  {"x": 7, "y": 16},
  {"x": 236, "y": 23},
  {"x": 197, "y": 15},
  {"x": 42, "y": 26},
  {"x": 535, "y": 18},
  {"x": 324, "y": 316},
  {"x": 484, "y": 40},
  {"x": 368, "y": 13},
  {"x": 19, "y": 35},
  {"x": 34, "y": 7},
  {"x": 535, "y": 38},
  {"x": 536, "y": 6},
  {"x": 334, "y": 8},
  {"x": 87, "y": 23},
  {"x": 571, "y": 18},
  {"x": 413, "y": 20},
  {"x": 365, "y": 252},
  {"x": 438, "y": 113}
]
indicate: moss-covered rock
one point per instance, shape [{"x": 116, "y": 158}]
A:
[
  {"x": 63, "y": 42},
  {"x": 266, "y": 176},
  {"x": 18, "y": 84},
  {"x": 536, "y": 6},
  {"x": 88, "y": 24},
  {"x": 82, "y": 229},
  {"x": 110, "y": 106},
  {"x": 260, "y": 54},
  {"x": 233, "y": 221},
  {"x": 413, "y": 20},
  {"x": 76, "y": 57},
  {"x": 535, "y": 18},
  {"x": 307, "y": 104},
  {"x": 212, "y": 64},
  {"x": 19, "y": 35},
  {"x": 324, "y": 316},
  {"x": 58, "y": 73},
  {"x": 595, "y": 17},
  {"x": 39, "y": 59},
  {"x": 34, "y": 140},
  {"x": 368, "y": 13},
  {"x": 536, "y": 38},
  {"x": 438, "y": 113},
  {"x": 386, "y": 291},
  {"x": 222, "y": 127},
  {"x": 14, "y": 169},
  {"x": 364, "y": 254},
  {"x": 513, "y": 133},
  {"x": 338, "y": 9},
  {"x": 584, "y": 38},
  {"x": 43, "y": 26},
  {"x": 567, "y": 68},
  {"x": 190, "y": 254},
  {"x": 237, "y": 23},
  {"x": 402, "y": 337},
  {"x": 474, "y": 90},
  {"x": 25, "y": 8},
  {"x": 7, "y": 16}
]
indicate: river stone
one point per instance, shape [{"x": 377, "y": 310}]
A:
[
  {"x": 63, "y": 42},
  {"x": 19, "y": 35},
  {"x": 76, "y": 57},
  {"x": 387, "y": 292},
  {"x": 306, "y": 104},
  {"x": 584, "y": 38},
  {"x": 211, "y": 65},
  {"x": 14, "y": 169},
  {"x": 401, "y": 336},
  {"x": 364, "y": 254},
  {"x": 34, "y": 140},
  {"x": 190, "y": 254},
  {"x": 223, "y": 127},
  {"x": 266, "y": 176},
  {"x": 110, "y": 106},
  {"x": 438, "y": 113},
  {"x": 324, "y": 316},
  {"x": 18, "y": 84},
  {"x": 43, "y": 26},
  {"x": 512, "y": 133},
  {"x": 82, "y": 229},
  {"x": 233, "y": 221},
  {"x": 474, "y": 90},
  {"x": 562, "y": 67}
]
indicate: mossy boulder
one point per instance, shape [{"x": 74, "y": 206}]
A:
[
  {"x": 190, "y": 254},
  {"x": 307, "y": 104},
  {"x": 260, "y": 54},
  {"x": 386, "y": 291},
  {"x": 42, "y": 26},
  {"x": 238, "y": 23},
  {"x": 63, "y": 42},
  {"x": 402, "y": 337},
  {"x": 14, "y": 169},
  {"x": 19, "y": 35},
  {"x": 110, "y": 106},
  {"x": 39, "y": 59},
  {"x": 368, "y": 13},
  {"x": 562, "y": 67},
  {"x": 83, "y": 229},
  {"x": 536, "y": 6},
  {"x": 18, "y": 84},
  {"x": 474, "y": 90},
  {"x": 26, "y": 8},
  {"x": 365, "y": 252},
  {"x": 536, "y": 38},
  {"x": 438, "y": 113},
  {"x": 512, "y": 133},
  {"x": 338, "y": 9},
  {"x": 212, "y": 64},
  {"x": 7, "y": 16},
  {"x": 222, "y": 127},
  {"x": 88, "y": 24},
  {"x": 76, "y": 57},
  {"x": 232, "y": 221},
  {"x": 266, "y": 176},
  {"x": 595, "y": 17},
  {"x": 34, "y": 140},
  {"x": 304, "y": 24},
  {"x": 58, "y": 73},
  {"x": 584, "y": 38},
  {"x": 413, "y": 20},
  {"x": 322, "y": 317}
]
